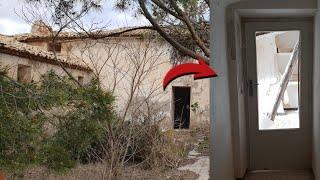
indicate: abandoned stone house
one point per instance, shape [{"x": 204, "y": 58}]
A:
[
  {"x": 131, "y": 65},
  {"x": 25, "y": 63}
]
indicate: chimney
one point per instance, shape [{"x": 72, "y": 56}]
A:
[{"x": 40, "y": 28}]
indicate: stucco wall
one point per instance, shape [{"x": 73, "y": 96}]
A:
[
  {"x": 118, "y": 60},
  {"x": 11, "y": 63},
  {"x": 221, "y": 152}
]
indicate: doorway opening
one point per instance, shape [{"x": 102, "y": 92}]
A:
[
  {"x": 181, "y": 103},
  {"x": 278, "y": 79}
]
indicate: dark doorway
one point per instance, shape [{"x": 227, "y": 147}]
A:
[{"x": 181, "y": 102}]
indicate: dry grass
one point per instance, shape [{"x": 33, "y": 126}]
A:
[
  {"x": 95, "y": 171},
  {"x": 179, "y": 143}
]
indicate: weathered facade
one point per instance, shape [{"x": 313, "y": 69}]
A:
[
  {"x": 133, "y": 66},
  {"x": 26, "y": 63}
]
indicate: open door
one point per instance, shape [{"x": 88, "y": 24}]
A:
[{"x": 181, "y": 103}]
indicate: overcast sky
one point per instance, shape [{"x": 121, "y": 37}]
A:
[{"x": 12, "y": 23}]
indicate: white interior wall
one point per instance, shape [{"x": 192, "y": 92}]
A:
[
  {"x": 226, "y": 120},
  {"x": 286, "y": 41},
  {"x": 221, "y": 154},
  {"x": 282, "y": 60},
  {"x": 316, "y": 96}
]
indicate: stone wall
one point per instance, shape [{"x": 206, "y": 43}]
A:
[{"x": 11, "y": 64}]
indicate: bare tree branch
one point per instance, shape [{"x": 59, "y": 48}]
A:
[
  {"x": 193, "y": 32},
  {"x": 173, "y": 42}
]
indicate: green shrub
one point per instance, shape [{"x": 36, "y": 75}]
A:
[
  {"x": 20, "y": 130},
  {"x": 25, "y": 114},
  {"x": 20, "y": 138}
]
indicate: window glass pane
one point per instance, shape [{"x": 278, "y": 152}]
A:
[{"x": 278, "y": 79}]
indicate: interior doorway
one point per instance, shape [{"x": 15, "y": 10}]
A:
[
  {"x": 181, "y": 103},
  {"x": 285, "y": 141}
]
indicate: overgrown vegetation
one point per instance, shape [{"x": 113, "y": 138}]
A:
[
  {"x": 57, "y": 125},
  {"x": 33, "y": 134}
]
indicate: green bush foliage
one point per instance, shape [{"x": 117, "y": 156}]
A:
[
  {"x": 57, "y": 124},
  {"x": 30, "y": 134}
]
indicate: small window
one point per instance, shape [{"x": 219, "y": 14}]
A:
[
  {"x": 24, "y": 73},
  {"x": 54, "y": 47},
  {"x": 80, "y": 79}
]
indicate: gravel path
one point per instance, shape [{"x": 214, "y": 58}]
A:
[{"x": 200, "y": 164}]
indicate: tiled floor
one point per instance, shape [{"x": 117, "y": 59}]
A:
[{"x": 279, "y": 175}]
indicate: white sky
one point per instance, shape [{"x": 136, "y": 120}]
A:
[{"x": 12, "y": 23}]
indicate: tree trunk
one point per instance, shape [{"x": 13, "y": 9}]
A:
[{"x": 285, "y": 79}]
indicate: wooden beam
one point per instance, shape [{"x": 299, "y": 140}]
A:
[{"x": 285, "y": 79}]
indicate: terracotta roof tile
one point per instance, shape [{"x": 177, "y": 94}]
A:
[
  {"x": 139, "y": 32},
  {"x": 10, "y": 45}
]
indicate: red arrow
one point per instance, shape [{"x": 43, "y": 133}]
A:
[{"x": 201, "y": 71}]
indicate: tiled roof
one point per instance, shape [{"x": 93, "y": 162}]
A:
[
  {"x": 121, "y": 32},
  {"x": 10, "y": 45}
]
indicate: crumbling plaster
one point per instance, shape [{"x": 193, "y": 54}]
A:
[
  {"x": 115, "y": 74},
  {"x": 10, "y": 63}
]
